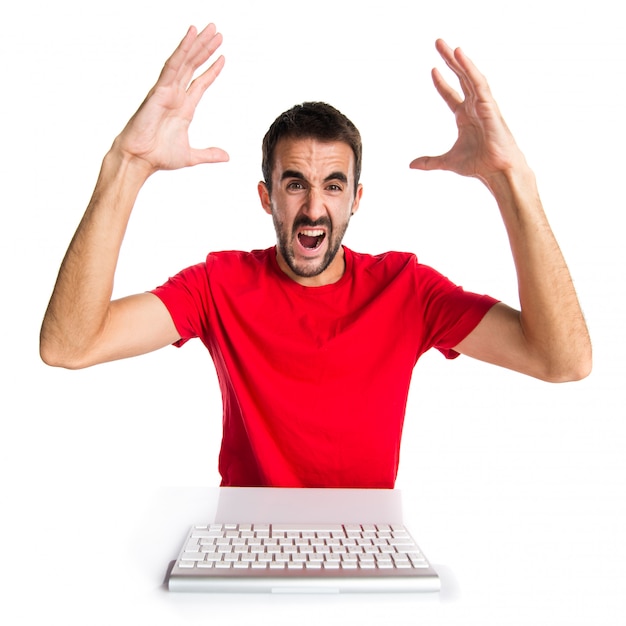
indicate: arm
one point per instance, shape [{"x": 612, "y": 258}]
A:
[
  {"x": 548, "y": 337},
  {"x": 82, "y": 326}
]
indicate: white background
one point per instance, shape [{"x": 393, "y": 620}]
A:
[{"x": 517, "y": 486}]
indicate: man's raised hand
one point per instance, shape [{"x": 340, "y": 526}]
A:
[
  {"x": 484, "y": 146},
  {"x": 157, "y": 135}
]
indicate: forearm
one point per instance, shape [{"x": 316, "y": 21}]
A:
[
  {"x": 79, "y": 306},
  {"x": 552, "y": 323}
]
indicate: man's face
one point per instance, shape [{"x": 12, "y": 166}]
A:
[{"x": 313, "y": 197}]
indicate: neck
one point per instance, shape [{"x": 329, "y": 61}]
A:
[{"x": 330, "y": 275}]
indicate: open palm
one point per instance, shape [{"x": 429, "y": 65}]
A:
[
  {"x": 158, "y": 133},
  {"x": 484, "y": 145}
]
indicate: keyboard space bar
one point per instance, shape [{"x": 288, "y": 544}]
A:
[{"x": 317, "y": 528}]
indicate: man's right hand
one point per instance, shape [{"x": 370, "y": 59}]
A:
[{"x": 157, "y": 137}]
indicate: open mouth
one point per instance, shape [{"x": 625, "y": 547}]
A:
[{"x": 311, "y": 239}]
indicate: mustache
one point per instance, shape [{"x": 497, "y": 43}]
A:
[{"x": 304, "y": 222}]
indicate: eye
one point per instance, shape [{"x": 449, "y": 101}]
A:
[
  {"x": 295, "y": 185},
  {"x": 334, "y": 187}
]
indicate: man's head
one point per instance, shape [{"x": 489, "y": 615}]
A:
[{"x": 311, "y": 165}]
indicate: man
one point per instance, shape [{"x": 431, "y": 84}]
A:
[{"x": 314, "y": 344}]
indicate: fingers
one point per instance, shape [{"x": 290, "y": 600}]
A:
[
  {"x": 473, "y": 83},
  {"x": 173, "y": 65},
  {"x": 204, "y": 81},
  {"x": 205, "y": 45},
  {"x": 449, "y": 95},
  {"x": 448, "y": 55},
  {"x": 193, "y": 50}
]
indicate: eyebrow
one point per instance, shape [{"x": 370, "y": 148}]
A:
[{"x": 340, "y": 176}]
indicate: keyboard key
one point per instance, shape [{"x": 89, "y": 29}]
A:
[
  {"x": 201, "y": 533},
  {"x": 307, "y": 528},
  {"x": 192, "y": 556}
]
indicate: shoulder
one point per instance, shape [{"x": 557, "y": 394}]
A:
[
  {"x": 380, "y": 261},
  {"x": 385, "y": 265},
  {"x": 400, "y": 268},
  {"x": 219, "y": 266},
  {"x": 239, "y": 257},
  {"x": 235, "y": 270},
  {"x": 238, "y": 260}
]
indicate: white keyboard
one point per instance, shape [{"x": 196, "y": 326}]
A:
[
  {"x": 298, "y": 556},
  {"x": 296, "y": 547}
]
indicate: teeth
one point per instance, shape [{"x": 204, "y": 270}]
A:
[{"x": 312, "y": 233}]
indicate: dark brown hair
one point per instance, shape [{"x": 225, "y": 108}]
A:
[{"x": 315, "y": 120}]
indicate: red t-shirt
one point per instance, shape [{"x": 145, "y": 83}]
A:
[{"x": 314, "y": 380}]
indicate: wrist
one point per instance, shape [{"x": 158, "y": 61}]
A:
[
  {"x": 515, "y": 178},
  {"x": 517, "y": 195},
  {"x": 119, "y": 182},
  {"x": 134, "y": 167}
]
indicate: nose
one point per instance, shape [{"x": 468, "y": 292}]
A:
[{"x": 314, "y": 206}]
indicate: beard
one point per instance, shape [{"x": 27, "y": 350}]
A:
[{"x": 309, "y": 268}]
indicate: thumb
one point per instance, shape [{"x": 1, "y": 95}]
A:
[
  {"x": 208, "y": 155},
  {"x": 427, "y": 163}
]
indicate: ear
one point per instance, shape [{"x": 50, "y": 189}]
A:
[
  {"x": 264, "y": 196},
  {"x": 357, "y": 199}
]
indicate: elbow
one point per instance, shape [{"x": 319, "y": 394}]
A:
[
  {"x": 54, "y": 359},
  {"x": 570, "y": 375},
  {"x": 583, "y": 370},
  {"x": 55, "y": 356},
  {"x": 48, "y": 353},
  {"x": 572, "y": 369}
]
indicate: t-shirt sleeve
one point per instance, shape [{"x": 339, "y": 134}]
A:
[
  {"x": 186, "y": 297},
  {"x": 450, "y": 312}
]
